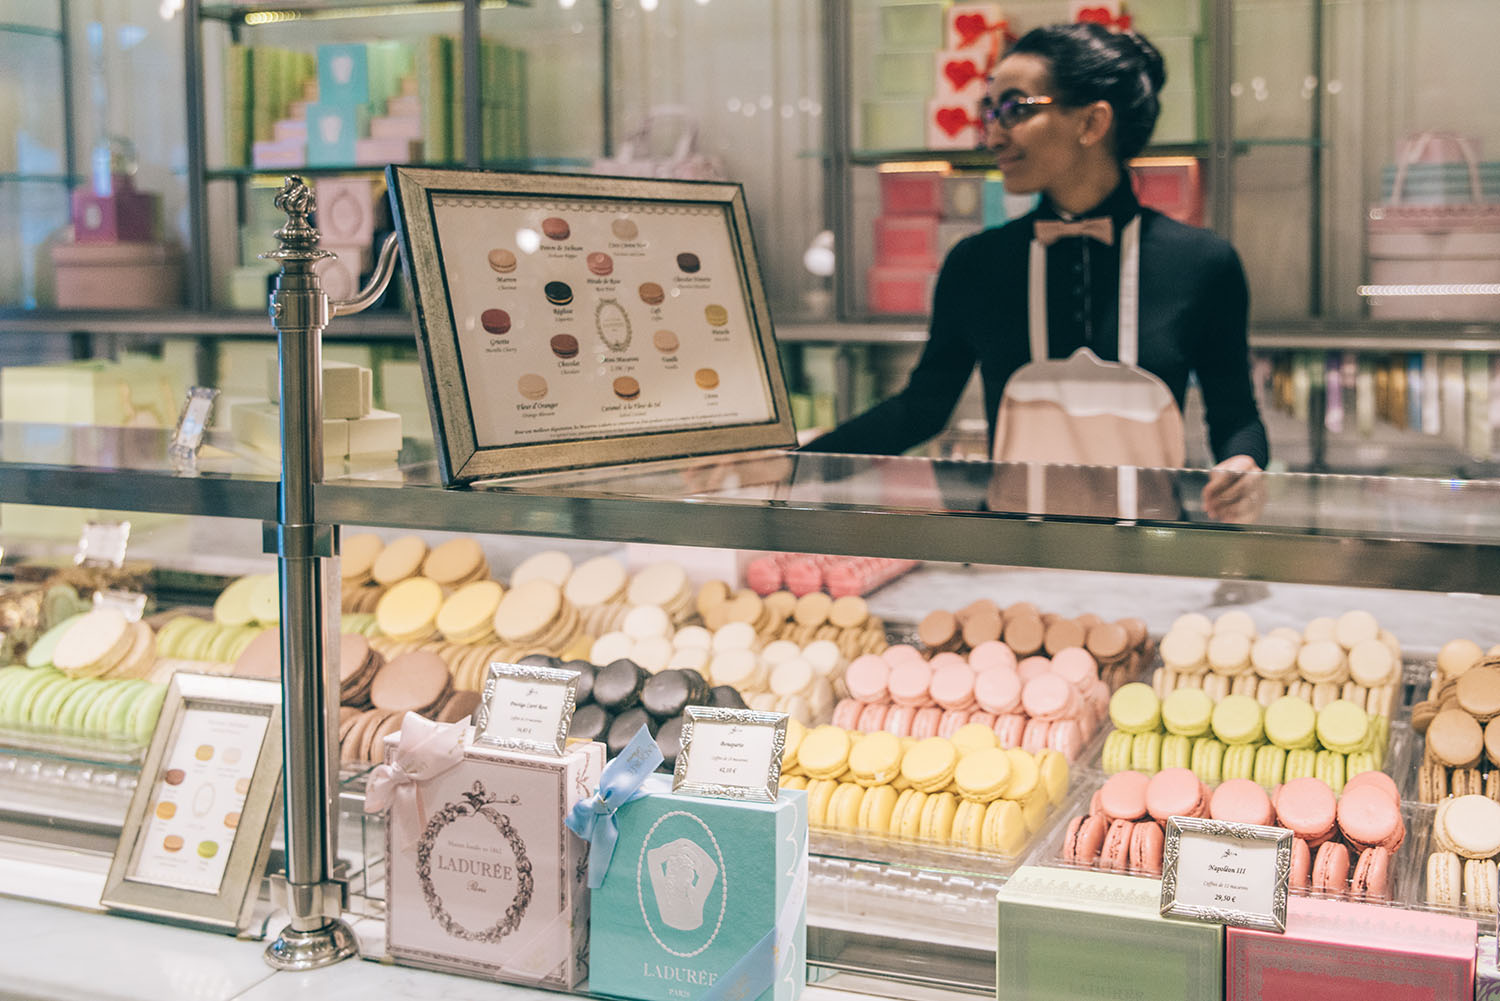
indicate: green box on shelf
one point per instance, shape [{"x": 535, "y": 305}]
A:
[
  {"x": 904, "y": 74},
  {"x": 1178, "y": 122},
  {"x": 899, "y": 125},
  {"x": 1069, "y": 933},
  {"x": 912, "y": 26}
]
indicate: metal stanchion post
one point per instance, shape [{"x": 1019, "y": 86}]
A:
[{"x": 317, "y": 935}]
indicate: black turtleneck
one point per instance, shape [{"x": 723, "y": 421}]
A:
[{"x": 1193, "y": 308}]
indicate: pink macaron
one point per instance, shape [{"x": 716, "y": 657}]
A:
[
  {"x": 1076, "y": 666},
  {"x": 1084, "y": 839},
  {"x": 1033, "y": 666},
  {"x": 1380, "y": 780},
  {"x": 1175, "y": 792},
  {"x": 1330, "y": 870},
  {"x": 952, "y": 686},
  {"x": 1116, "y": 851},
  {"x": 1372, "y": 874},
  {"x": 1009, "y": 729},
  {"x": 992, "y": 654},
  {"x": 1307, "y": 808},
  {"x": 1241, "y": 801},
  {"x": 946, "y": 659},
  {"x": 1097, "y": 699},
  {"x": 1034, "y": 737},
  {"x": 1147, "y": 843},
  {"x": 982, "y": 718},
  {"x": 998, "y": 690},
  {"x": 866, "y": 678},
  {"x": 1123, "y": 795},
  {"x": 902, "y": 653},
  {"x": 1368, "y": 817},
  {"x": 1066, "y": 737},
  {"x": 872, "y": 717},
  {"x": 898, "y": 720},
  {"x": 1049, "y": 697},
  {"x": 909, "y": 683},
  {"x": 925, "y": 723},
  {"x": 951, "y": 721},
  {"x": 846, "y": 714},
  {"x": 1301, "y": 874}
]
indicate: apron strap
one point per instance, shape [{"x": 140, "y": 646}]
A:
[{"x": 1130, "y": 296}]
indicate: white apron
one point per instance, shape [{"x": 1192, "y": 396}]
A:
[{"x": 1085, "y": 411}]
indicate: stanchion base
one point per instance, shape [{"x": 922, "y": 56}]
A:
[{"x": 308, "y": 950}]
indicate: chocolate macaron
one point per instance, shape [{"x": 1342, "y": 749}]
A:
[
  {"x": 669, "y": 741},
  {"x": 627, "y": 388},
  {"x": 590, "y": 722},
  {"x": 564, "y": 345},
  {"x": 625, "y": 727},
  {"x": 599, "y": 263},
  {"x": 666, "y": 694},
  {"x": 688, "y": 263},
  {"x": 502, "y": 261},
  {"x": 652, "y": 294},
  {"x": 554, "y": 228},
  {"x": 558, "y": 293},
  {"x": 495, "y": 321},
  {"x": 618, "y": 684}
]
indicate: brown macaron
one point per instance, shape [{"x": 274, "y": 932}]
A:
[
  {"x": 938, "y": 629},
  {"x": 652, "y": 294},
  {"x": 495, "y": 321},
  {"x": 411, "y": 682},
  {"x": 1492, "y": 742},
  {"x": 627, "y": 388},
  {"x": 502, "y": 261},
  {"x": 1455, "y": 739},
  {"x": 706, "y": 378},
  {"x": 1478, "y": 691},
  {"x": 599, "y": 263},
  {"x": 554, "y": 228},
  {"x": 564, "y": 345},
  {"x": 1024, "y": 634}
]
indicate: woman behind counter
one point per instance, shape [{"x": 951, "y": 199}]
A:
[{"x": 1067, "y": 108}]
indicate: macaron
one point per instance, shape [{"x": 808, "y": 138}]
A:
[
  {"x": 651, "y": 293},
  {"x": 938, "y": 813},
  {"x": 716, "y": 315},
  {"x": 1208, "y": 760},
  {"x": 1241, "y": 801},
  {"x": 1444, "y": 880},
  {"x": 1270, "y": 766},
  {"x": 624, "y": 229},
  {"x": 1343, "y": 726},
  {"x": 665, "y": 341},
  {"x": 930, "y": 763},
  {"x": 564, "y": 346},
  {"x": 1300, "y": 874},
  {"x": 495, "y": 321},
  {"x": 706, "y": 378},
  {"x": 1187, "y": 711},
  {"x": 1455, "y": 738},
  {"x": 875, "y": 809},
  {"x": 824, "y": 752},
  {"x": 1084, "y": 839},
  {"x": 1307, "y": 807},
  {"x": 842, "y": 812},
  {"x": 1115, "y": 756},
  {"x": 819, "y": 795},
  {"x": 532, "y": 386},
  {"x": 1480, "y": 889},
  {"x": 1004, "y": 828},
  {"x": 1145, "y": 752},
  {"x": 1367, "y": 817},
  {"x": 1330, "y": 870},
  {"x": 1123, "y": 796},
  {"x": 501, "y": 260},
  {"x": 1290, "y": 723},
  {"x": 1237, "y": 719},
  {"x": 1469, "y": 825},
  {"x": 1114, "y": 854},
  {"x": 688, "y": 263},
  {"x": 1372, "y": 874},
  {"x": 1134, "y": 708},
  {"x": 876, "y": 759},
  {"x": 599, "y": 263},
  {"x": 1147, "y": 843},
  {"x": 906, "y": 817},
  {"x": 983, "y": 775},
  {"x": 1175, "y": 792},
  {"x": 626, "y": 387}
]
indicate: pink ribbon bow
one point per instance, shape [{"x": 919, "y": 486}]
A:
[
  {"x": 1049, "y": 231},
  {"x": 427, "y": 749}
]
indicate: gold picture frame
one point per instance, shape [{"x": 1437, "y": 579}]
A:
[
  {"x": 197, "y": 835},
  {"x": 568, "y": 321}
]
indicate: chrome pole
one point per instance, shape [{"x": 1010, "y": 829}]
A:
[{"x": 317, "y": 935}]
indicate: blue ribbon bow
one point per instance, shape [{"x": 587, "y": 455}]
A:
[{"x": 593, "y": 819}]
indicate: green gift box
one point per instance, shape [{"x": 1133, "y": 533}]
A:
[{"x": 1068, "y": 933}]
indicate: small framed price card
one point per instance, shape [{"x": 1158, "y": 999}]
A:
[
  {"x": 196, "y": 837},
  {"x": 1226, "y": 873},
  {"x": 730, "y": 754},
  {"x": 569, "y": 321},
  {"x": 526, "y": 708}
]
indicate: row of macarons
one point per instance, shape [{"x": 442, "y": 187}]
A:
[
  {"x": 1213, "y": 761},
  {"x": 1461, "y": 871},
  {"x": 1327, "y": 650},
  {"x": 805, "y": 573},
  {"x": 1289, "y": 722},
  {"x": 43, "y": 698},
  {"x": 1378, "y": 701}
]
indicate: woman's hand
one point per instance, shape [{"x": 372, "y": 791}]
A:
[{"x": 1234, "y": 491}]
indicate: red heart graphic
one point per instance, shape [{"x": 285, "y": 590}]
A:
[
  {"x": 1123, "y": 22},
  {"x": 969, "y": 27},
  {"x": 953, "y": 120},
  {"x": 960, "y": 72},
  {"x": 1095, "y": 15}
]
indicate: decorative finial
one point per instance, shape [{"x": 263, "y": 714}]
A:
[{"x": 299, "y": 240}]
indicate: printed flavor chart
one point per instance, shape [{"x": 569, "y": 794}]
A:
[
  {"x": 195, "y": 807},
  {"x": 584, "y": 319}
]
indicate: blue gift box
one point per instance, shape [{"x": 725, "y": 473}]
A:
[
  {"x": 332, "y": 131},
  {"x": 343, "y": 74},
  {"x": 703, "y": 895}
]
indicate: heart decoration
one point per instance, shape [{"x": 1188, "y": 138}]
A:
[
  {"x": 1094, "y": 15},
  {"x": 953, "y": 121},
  {"x": 961, "y": 72},
  {"x": 970, "y": 28}
]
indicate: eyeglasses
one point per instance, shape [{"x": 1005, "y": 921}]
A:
[{"x": 1010, "y": 112}]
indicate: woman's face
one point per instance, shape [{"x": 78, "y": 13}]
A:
[{"x": 1040, "y": 146}]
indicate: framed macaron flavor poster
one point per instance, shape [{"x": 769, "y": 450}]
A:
[
  {"x": 197, "y": 834},
  {"x": 570, "y": 321}
]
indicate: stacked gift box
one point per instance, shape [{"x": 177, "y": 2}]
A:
[
  {"x": 923, "y": 214},
  {"x": 356, "y": 436},
  {"x": 974, "y": 36}
]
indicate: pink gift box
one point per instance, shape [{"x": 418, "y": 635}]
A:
[
  {"x": 974, "y": 26},
  {"x": 117, "y": 275},
  {"x": 1335, "y": 950},
  {"x": 907, "y": 241},
  {"x": 911, "y": 192},
  {"x": 126, "y": 216},
  {"x": 486, "y": 880},
  {"x": 378, "y": 151},
  {"x": 1174, "y": 189},
  {"x": 899, "y": 290},
  {"x": 953, "y": 123}
]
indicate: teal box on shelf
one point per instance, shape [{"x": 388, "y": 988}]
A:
[
  {"x": 1066, "y": 933},
  {"x": 332, "y": 131},
  {"x": 343, "y": 74},
  {"x": 700, "y": 889}
]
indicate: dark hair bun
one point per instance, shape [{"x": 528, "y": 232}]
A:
[{"x": 1151, "y": 61}]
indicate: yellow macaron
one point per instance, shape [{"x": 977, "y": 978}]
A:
[
  {"x": 983, "y": 776},
  {"x": 906, "y": 818},
  {"x": 824, "y": 752},
  {"x": 843, "y": 807},
  {"x": 1024, "y": 774},
  {"x": 819, "y": 794},
  {"x": 937, "y": 816},
  {"x": 1004, "y": 828},
  {"x": 968, "y": 824},
  {"x": 875, "y": 759},
  {"x": 929, "y": 764},
  {"x": 875, "y": 809},
  {"x": 793, "y": 781},
  {"x": 1053, "y": 768},
  {"x": 974, "y": 737}
]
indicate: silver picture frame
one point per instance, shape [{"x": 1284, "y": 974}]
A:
[
  {"x": 194, "y": 704},
  {"x": 551, "y": 689},
  {"x": 699, "y": 721},
  {"x": 1253, "y": 846},
  {"x": 472, "y": 396}
]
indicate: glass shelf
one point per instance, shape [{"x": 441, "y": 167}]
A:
[
  {"x": 560, "y": 164},
  {"x": 974, "y": 159},
  {"x": 253, "y": 14},
  {"x": 38, "y": 179},
  {"x": 13, "y": 28}
]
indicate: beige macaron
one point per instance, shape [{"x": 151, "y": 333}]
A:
[
  {"x": 399, "y": 560},
  {"x": 408, "y": 611}
]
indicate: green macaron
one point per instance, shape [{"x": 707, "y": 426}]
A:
[
  {"x": 44, "y": 711},
  {"x": 96, "y": 723},
  {"x": 144, "y": 713},
  {"x": 40, "y": 654}
]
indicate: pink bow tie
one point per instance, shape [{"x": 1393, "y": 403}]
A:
[{"x": 1049, "y": 231}]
